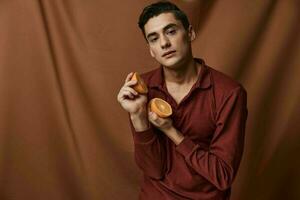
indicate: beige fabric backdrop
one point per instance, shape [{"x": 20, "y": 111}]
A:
[{"x": 63, "y": 134}]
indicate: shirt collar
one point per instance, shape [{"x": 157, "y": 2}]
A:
[{"x": 203, "y": 80}]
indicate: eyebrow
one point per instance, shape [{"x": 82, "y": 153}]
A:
[{"x": 164, "y": 29}]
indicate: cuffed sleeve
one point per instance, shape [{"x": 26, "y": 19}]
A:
[
  {"x": 186, "y": 147},
  {"x": 143, "y": 137},
  {"x": 149, "y": 152},
  {"x": 219, "y": 162}
]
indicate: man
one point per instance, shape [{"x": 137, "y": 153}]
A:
[{"x": 195, "y": 153}]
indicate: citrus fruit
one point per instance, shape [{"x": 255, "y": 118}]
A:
[
  {"x": 140, "y": 86},
  {"x": 160, "y": 107}
]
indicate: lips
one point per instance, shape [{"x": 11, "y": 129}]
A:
[{"x": 168, "y": 53}]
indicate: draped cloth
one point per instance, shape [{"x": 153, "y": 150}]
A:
[{"x": 63, "y": 134}]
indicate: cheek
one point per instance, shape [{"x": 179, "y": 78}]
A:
[
  {"x": 180, "y": 41},
  {"x": 154, "y": 50},
  {"x": 184, "y": 44}
]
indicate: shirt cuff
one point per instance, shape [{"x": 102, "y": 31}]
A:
[
  {"x": 142, "y": 137},
  {"x": 186, "y": 147}
]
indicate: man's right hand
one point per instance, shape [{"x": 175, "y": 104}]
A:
[
  {"x": 134, "y": 103},
  {"x": 131, "y": 100}
]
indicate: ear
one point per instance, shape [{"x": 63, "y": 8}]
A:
[{"x": 191, "y": 33}]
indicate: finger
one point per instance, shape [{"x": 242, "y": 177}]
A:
[
  {"x": 120, "y": 95},
  {"x": 131, "y": 90},
  {"x": 154, "y": 119},
  {"x": 150, "y": 117},
  {"x": 130, "y": 83},
  {"x": 129, "y": 76},
  {"x": 153, "y": 116},
  {"x": 123, "y": 93},
  {"x": 127, "y": 94}
]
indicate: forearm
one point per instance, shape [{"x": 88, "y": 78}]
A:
[
  {"x": 151, "y": 156},
  {"x": 206, "y": 163},
  {"x": 218, "y": 160},
  {"x": 205, "y": 160},
  {"x": 149, "y": 151},
  {"x": 174, "y": 135}
]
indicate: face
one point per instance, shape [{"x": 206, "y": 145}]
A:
[{"x": 169, "y": 42}]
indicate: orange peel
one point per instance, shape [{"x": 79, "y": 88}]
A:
[
  {"x": 140, "y": 86},
  {"x": 160, "y": 107}
]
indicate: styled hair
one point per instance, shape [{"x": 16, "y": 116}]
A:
[{"x": 158, "y": 8}]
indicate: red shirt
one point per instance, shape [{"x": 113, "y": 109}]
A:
[{"x": 212, "y": 118}]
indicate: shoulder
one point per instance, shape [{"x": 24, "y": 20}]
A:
[
  {"x": 152, "y": 76},
  {"x": 225, "y": 87},
  {"x": 223, "y": 83},
  {"x": 149, "y": 74}
]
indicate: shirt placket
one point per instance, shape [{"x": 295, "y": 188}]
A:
[{"x": 176, "y": 108}]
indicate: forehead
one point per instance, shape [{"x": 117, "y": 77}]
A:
[{"x": 157, "y": 23}]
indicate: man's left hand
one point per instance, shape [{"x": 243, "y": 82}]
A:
[
  {"x": 162, "y": 124},
  {"x": 166, "y": 126}
]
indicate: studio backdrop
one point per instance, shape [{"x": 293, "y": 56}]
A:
[{"x": 63, "y": 135}]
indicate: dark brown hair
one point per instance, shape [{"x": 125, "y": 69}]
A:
[{"x": 158, "y": 8}]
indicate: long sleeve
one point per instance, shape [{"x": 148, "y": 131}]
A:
[
  {"x": 219, "y": 162},
  {"x": 149, "y": 152}
]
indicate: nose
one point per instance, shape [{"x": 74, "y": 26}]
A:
[{"x": 165, "y": 42}]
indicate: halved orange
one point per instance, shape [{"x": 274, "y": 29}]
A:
[
  {"x": 160, "y": 107},
  {"x": 140, "y": 86}
]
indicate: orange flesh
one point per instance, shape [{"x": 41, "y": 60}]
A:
[
  {"x": 140, "y": 86},
  {"x": 160, "y": 107}
]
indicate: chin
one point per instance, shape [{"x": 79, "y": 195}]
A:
[{"x": 171, "y": 62}]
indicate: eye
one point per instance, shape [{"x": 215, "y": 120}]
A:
[
  {"x": 171, "y": 31},
  {"x": 152, "y": 40}
]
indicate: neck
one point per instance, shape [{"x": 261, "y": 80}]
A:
[{"x": 184, "y": 74}]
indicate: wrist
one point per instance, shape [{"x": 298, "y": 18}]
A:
[
  {"x": 175, "y": 135},
  {"x": 168, "y": 129},
  {"x": 140, "y": 122},
  {"x": 139, "y": 113}
]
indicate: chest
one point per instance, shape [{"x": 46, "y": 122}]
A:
[
  {"x": 178, "y": 92},
  {"x": 194, "y": 116}
]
